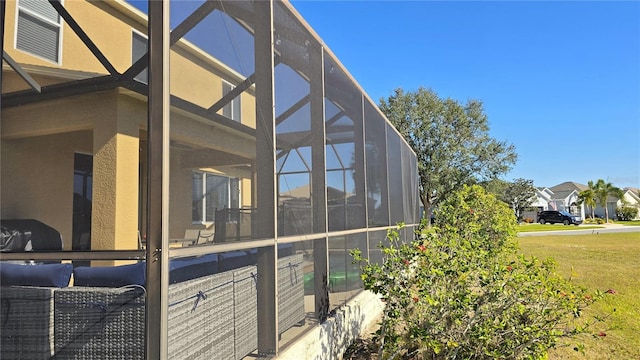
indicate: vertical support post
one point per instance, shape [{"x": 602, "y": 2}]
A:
[
  {"x": 158, "y": 182},
  {"x": 359, "y": 170},
  {"x": 386, "y": 170},
  {"x": 3, "y": 6},
  {"x": 266, "y": 178},
  {"x": 319, "y": 186},
  {"x": 365, "y": 176},
  {"x": 115, "y": 181}
]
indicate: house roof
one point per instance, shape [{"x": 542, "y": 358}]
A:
[
  {"x": 545, "y": 190},
  {"x": 561, "y": 195},
  {"x": 625, "y": 192},
  {"x": 564, "y": 190},
  {"x": 304, "y": 192},
  {"x": 631, "y": 192},
  {"x": 569, "y": 186},
  {"x": 543, "y": 195}
]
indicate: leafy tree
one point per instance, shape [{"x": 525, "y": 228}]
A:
[
  {"x": 451, "y": 141},
  {"x": 520, "y": 194},
  {"x": 588, "y": 197},
  {"x": 461, "y": 292},
  {"x": 495, "y": 186},
  {"x": 603, "y": 191}
]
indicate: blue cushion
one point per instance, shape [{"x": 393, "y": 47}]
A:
[
  {"x": 285, "y": 250},
  {"x": 233, "y": 260},
  {"x": 253, "y": 256},
  {"x": 110, "y": 276},
  {"x": 53, "y": 275},
  {"x": 184, "y": 269}
]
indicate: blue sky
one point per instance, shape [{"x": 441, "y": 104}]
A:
[{"x": 559, "y": 80}]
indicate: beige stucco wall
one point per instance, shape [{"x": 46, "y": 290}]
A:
[
  {"x": 37, "y": 179},
  {"x": 198, "y": 78},
  {"x": 112, "y": 123},
  {"x": 116, "y": 177},
  {"x": 195, "y": 76},
  {"x": 52, "y": 117},
  {"x": 94, "y": 17},
  {"x": 36, "y": 139},
  {"x": 179, "y": 197}
]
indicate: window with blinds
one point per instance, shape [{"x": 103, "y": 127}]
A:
[
  {"x": 138, "y": 50},
  {"x": 38, "y": 29},
  {"x": 232, "y": 109}
]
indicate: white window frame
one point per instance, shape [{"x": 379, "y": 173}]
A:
[
  {"x": 59, "y": 25},
  {"x": 203, "y": 192},
  {"x": 232, "y": 104}
]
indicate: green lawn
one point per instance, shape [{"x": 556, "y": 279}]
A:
[
  {"x": 554, "y": 227},
  {"x": 629, "y": 223},
  {"x": 601, "y": 261}
]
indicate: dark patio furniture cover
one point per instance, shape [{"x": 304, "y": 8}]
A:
[{"x": 15, "y": 235}]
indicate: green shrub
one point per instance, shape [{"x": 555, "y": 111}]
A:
[
  {"x": 594, "y": 221},
  {"x": 461, "y": 292},
  {"x": 626, "y": 212}
]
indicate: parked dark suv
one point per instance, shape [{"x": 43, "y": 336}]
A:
[{"x": 563, "y": 217}]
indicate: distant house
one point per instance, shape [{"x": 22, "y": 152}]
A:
[
  {"x": 540, "y": 203},
  {"x": 630, "y": 198},
  {"x": 564, "y": 196},
  {"x": 543, "y": 196}
]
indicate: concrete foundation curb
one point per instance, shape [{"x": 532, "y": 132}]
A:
[{"x": 329, "y": 340}]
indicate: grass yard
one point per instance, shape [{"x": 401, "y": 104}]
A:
[
  {"x": 602, "y": 261},
  {"x": 629, "y": 223},
  {"x": 554, "y": 227}
]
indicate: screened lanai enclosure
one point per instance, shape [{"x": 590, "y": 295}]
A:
[{"x": 183, "y": 180}]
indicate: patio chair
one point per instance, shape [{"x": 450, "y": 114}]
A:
[
  {"x": 191, "y": 237},
  {"x": 205, "y": 236}
]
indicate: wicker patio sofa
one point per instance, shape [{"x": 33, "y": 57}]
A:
[
  {"x": 201, "y": 317},
  {"x": 27, "y": 312},
  {"x": 212, "y": 313},
  {"x": 290, "y": 292},
  {"x": 99, "y": 323},
  {"x": 26, "y": 322}
]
